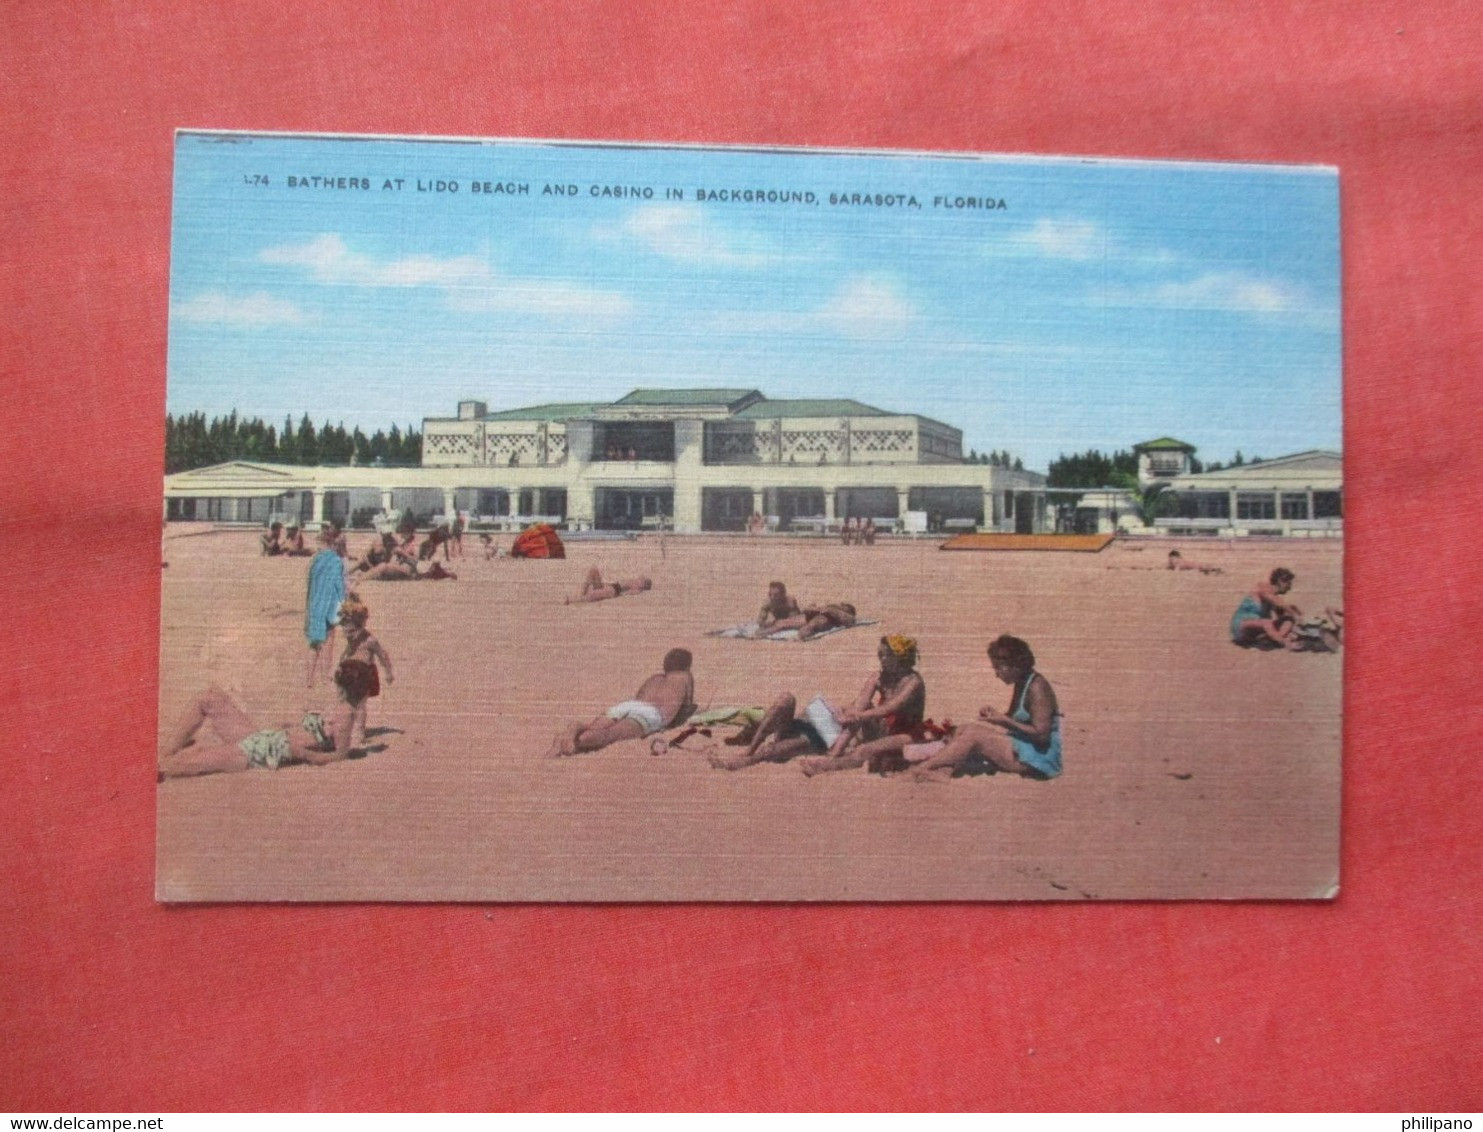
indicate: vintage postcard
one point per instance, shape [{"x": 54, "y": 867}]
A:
[{"x": 548, "y": 521}]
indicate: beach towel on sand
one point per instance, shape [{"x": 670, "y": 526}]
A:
[
  {"x": 748, "y": 631},
  {"x": 326, "y": 592}
]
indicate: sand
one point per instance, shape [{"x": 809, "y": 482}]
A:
[{"x": 1194, "y": 769}]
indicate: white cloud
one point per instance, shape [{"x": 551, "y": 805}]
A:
[
  {"x": 1218, "y": 290},
  {"x": 544, "y": 299},
  {"x": 682, "y": 233},
  {"x": 257, "y": 309},
  {"x": 329, "y": 260},
  {"x": 468, "y": 283},
  {"x": 868, "y": 307},
  {"x": 1078, "y": 240}
]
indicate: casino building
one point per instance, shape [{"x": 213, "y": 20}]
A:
[{"x": 687, "y": 460}]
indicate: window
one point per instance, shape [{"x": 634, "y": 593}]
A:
[
  {"x": 1328, "y": 505},
  {"x": 1250, "y": 505},
  {"x": 1294, "y": 504},
  {"x": 1166, "y": 464}
]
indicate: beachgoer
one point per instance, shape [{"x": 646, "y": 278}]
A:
[
  {"x": 388, "y": 562},
  {"x": 663, "y": 700},
  {"x": 242, "y": 745},
  {"x": 595, "y": 589},
  {"x": 357, "y": 676},
  {"x": 1265, "y": 615},
  {"x": 326, "y": 590},
  {"x": 439, "y": 536},
  {"x": 815, "y": 619},
  {"x": 337, "y": 541},
  {"x": 1025, "y": 741},
  {"x": 455, "y": 534},
  {"x": 779, "y": 605},
  {"x": 293, "y": 543},
  {"x": 486, "y": 541},
  {"x": 271, "y": 540},
  {"x": 1177, "y": 562},
  {"x": 867, "y": 532},
  {"x": 756, "y": 525},
  {"x": 887, "y": 715},
  {"x": 847, "y": 532}
]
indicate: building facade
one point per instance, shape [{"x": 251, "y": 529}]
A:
[{"x": 688, "y": 460}]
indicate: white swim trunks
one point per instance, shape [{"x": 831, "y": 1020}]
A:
[{"x": 646, "y": 715}]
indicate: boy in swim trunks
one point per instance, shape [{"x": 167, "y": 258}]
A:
[
  {"x": 664, "y": 699},
  {"x": 357, "y": 677},
  {"x": 813, "y": 620}
]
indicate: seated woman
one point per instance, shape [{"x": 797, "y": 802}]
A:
[
  {"x": 242, "y": 745},
  {"x": 293, "y": 543},
  {"x": 888, "y": 715},
  {"x": 779, "y": 606},
  {"x": 892, "y": 701},
  {"x": 813, "y": 620},
  {"x": 595, "y": 589},
  {"x": 1265, "y": 617},
  {"x": 271, "y": 540},
  {"x": 1025, "y": 741}
]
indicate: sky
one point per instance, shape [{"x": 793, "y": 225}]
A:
[{"x": 1076, "y": 304}]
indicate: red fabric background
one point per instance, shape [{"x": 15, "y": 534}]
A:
[{"x": 110, "y": 1002}]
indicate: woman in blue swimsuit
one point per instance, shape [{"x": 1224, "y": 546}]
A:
[
  {"x": 1265, "y": 616},
  {"x": 1025, "y": 741}
]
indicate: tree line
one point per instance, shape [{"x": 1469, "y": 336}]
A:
[
  {"x": 191, "y": 441},
  {"x": 996, "y": 459}
]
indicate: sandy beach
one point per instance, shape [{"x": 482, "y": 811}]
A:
[{"x": 1194, "y": 769}]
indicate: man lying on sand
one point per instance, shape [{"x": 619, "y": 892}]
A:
[
  {"x": 779, "y": 606},
  {"x": 595, "y": 589},
  {"x": 885, "y": 717},
  {"x": 813, "y": 620},
  {"x": 1178, "y": 562},
  {"x": 1024, "y": 741},
  {"x": 242, "y": 745},
  {"x": 664, "y": 699}
]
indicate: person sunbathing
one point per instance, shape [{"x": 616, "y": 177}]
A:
[
  {"x": 1177, "y": 562},
  {"x": 271, "y": 540},
  {"x": 663, "y": 700},
  {"x": 1025, "y": 741},
  {"x": 895, "y": 698},
  {"x": 813, "y": 620},
  {"x": 242, "y": 745},
  {"x": 1265, "y": 616},
  {"x": 595, "y": 589},
  {"x": 389, "y": 561},
  {"x": 778, "y": 606}
]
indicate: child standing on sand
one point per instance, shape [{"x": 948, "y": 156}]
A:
[{"x": 357, "y": 676}]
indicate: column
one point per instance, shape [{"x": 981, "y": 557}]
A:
[
  {"x": 829, "y": 508},
  {"x": 688, "y": 475},
  {"x": 449, "y": 503},
  {"x": 1232, "y": 504},
  {"x": 386, "y": 499},
  {"x": 903, "y": 505},
  {"x": 317, "y": 512},
  {"x": 759, "y": 501},
  {"x": 991, "y": 509}
]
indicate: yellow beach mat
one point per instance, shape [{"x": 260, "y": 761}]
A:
[{"x": 1084, "y": 543}]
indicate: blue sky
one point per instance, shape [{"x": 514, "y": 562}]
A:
[{"x": 1107, "y": 303}]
